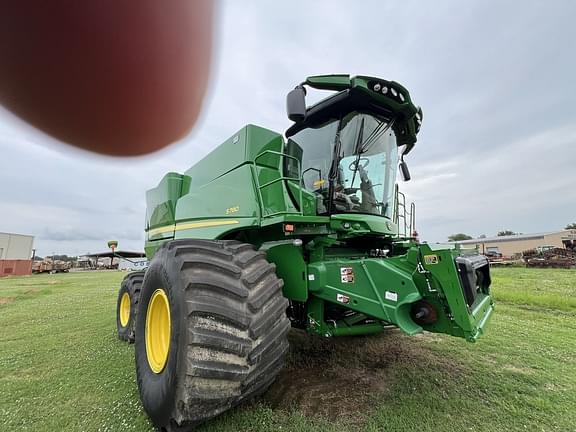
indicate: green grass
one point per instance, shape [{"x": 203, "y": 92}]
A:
[{"x": 63, "y": 368}]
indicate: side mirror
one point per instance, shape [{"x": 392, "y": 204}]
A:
[
  {"x": 404, "y": 171},
  {"x": 296, "y": 104}
]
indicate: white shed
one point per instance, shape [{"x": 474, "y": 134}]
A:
[{"x": 133, "y": 264}]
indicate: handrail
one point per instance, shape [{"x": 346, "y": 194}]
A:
[
  {"x": 281, "y": 178},
  {"x": 412, "y": 218},
  {"x": 408, "y": 217}
]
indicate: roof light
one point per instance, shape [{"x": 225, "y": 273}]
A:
[
  {"x": 384, "y": 90},
  {"x": 401, "y": 96},
  {"x": 393, "y": 91},
  {"x": 377, "y": 87}
]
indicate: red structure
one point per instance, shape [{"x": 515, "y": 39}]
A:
[{"x": 15, "y": 267}]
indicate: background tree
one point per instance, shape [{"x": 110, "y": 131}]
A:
[
  {"x": 571, "y": 226},
  {"x": 459, "y": 237},
  {"x": 64, "y": 258},
  {"x": 505, "y": 233}
]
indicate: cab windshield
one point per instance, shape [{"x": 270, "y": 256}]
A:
[{"x": 358, "y": 154}]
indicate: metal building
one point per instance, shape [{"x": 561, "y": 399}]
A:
[
  {"x": 15, "y": 254},
  {"x": 515, "y": 244}
]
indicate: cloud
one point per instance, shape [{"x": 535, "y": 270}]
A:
[
  {"x": 526, "y": 186},
  {"x": 72, "y": 234}
]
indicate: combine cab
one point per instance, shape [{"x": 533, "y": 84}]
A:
[{"x": 269, "y": 232}]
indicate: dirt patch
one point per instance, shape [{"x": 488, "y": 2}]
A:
[
  {"x": 337, "y": 379},
  {"x": 31, "y": 291},
  {"x": 6, "y": 300}
]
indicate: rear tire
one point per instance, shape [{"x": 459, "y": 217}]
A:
[
  {"x": 131, "y": 285},
  {"x": 228, "y": 329}
]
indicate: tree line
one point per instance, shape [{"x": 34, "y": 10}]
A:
[
  {"x": 65, "y": 258},
  {"x": 463, "y": 236}
]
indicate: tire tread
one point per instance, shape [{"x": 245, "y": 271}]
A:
[{"x": 236, "y": 327}]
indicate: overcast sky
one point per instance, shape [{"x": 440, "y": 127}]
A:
[{"x": 496, "y": 82}]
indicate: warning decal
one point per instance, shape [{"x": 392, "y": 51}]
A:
[
  {"x": 391, "y": 295},
  {"x": 346, "y": 275}
]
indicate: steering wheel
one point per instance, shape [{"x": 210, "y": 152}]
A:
[{"x": 363, "y": 162}]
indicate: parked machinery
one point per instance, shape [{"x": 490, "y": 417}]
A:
[{"x": 48, "y": 265}]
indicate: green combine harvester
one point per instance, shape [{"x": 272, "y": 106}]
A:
[{"x": 266, "y": 233}]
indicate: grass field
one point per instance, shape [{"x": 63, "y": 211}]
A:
[{"x": 62, "y": 367}]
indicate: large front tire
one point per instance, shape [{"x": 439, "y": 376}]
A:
[{"x": 211, "y": 331}]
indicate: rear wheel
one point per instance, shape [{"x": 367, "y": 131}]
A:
[
  {"x": 127, "y": 305},
  {"x": 212, "y": 331}
]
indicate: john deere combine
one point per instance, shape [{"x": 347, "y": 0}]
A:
[{"x": 266, "y": 233}]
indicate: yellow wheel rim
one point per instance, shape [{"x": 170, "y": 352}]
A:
[
  {"x": 158, "y": 330},
  {"x": 124, "y": 309}
]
